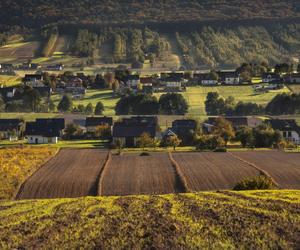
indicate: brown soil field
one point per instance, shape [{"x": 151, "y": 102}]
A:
[
  {"x": 27, "y": 50},
  {"x": 212, "y": 171},
  {"x": 72, "y": 173},
  {"x": 284, "y": 168},
  {"x": 133, "y": 174}
]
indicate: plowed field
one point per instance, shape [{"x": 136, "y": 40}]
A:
[
  {"x": 212, "y": 171},
  {"x": 283, "y": 167},
  {"x": 133, "y": 174},
  {"x": 72, "y": 173}
]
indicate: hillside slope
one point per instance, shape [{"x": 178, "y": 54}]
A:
[
  {"x": 35, "y": 13},
  {"x": 220, "y": 220}
]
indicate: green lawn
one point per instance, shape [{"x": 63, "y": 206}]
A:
[
  {"x": 27, "y": 116},
  {"x": 196, "y": 96},
  {"x": 259, "y": 219},
  {"x": 295, "y": 88},
  {"x": 9, "y": 81},
  {"x": 94, "y": 96}
]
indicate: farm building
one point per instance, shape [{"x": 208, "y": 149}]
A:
[
  {"x": 44, "y": 131},
  {"x": 288, "y": 128},
  {"x": 209, "y": 80},
  {"x": 185, "y": 130},
  {"x": 130, "y": 129},
  {"x": 93, "y": 122},
  {"x": 132, "y": 81},
  {"x": 11, "y": 129},
  {"x": 34, "y": 80}
]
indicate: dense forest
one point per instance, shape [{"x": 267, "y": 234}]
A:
[
  {"x": 208, "y": 32},
  {"x": 41, "y": 12}
]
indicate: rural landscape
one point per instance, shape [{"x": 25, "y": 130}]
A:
[{"x": 149, "y": 124}]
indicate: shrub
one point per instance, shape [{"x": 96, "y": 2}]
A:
[
  {"x": 221, "y": 150},
  {"x": 144, "y": 154},
  {"x": 259, "y": 182}
]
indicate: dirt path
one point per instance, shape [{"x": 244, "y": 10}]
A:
[{"x": 72, "y": 173}]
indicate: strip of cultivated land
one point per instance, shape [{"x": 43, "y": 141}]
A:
[
  {"x": 283, "y": 167},
  {"x": 212, "y": 171},
  {"x": 207, "y": 220},
  {"x": 133, "y": 174},
  {"x": 72, "y": 173}
]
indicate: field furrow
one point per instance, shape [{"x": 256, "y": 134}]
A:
[{"x": 72, "y": 173}]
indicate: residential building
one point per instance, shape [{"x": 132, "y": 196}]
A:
[
  {"x": 271, "y": 78},
  {"x": 293, "y": 78},
  {"x": 44, "y": 131},
  {"x": 129, "y": 130},
  {"x": 288, "y": 128},
  {"x": 11, "y": 129},
  {"x": 8, "y": 92},
  {"x": 34, "y": 80}
]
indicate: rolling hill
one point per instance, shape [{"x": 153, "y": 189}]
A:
[{"x": 209, "y": 220}]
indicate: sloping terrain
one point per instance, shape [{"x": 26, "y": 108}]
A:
[
  {"x": 284, "y": 168},
  {"x": 212, "y": 171},
  {"x": 72, "y": 173},
  {"x": 221, "y": 220},
  {"x": 133, "y": 174}
]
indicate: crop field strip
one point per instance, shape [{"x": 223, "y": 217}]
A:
[
  {"x": 72, "y": 173},
  {"x": 206, "y": 220},
  {"x": 129, "y": 174},
  {"x": 212, "y": 171},
  {"x": 283, "y": 167}
]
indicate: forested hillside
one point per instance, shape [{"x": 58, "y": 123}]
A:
[
  {"x": 187, "y": 33},
  {"x": 40, "y": 12}
]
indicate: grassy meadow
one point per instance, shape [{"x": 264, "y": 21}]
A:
[{"x": 208, "y": 220}]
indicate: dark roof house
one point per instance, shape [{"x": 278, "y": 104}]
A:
[
  {"x": 284, "y": 125},
  {"x": 10, "y": 124},
  {"x": 97, "y": 121}
]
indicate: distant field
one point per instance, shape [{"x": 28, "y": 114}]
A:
[
  {"x": 19, "y": 50},
  {"x": 9, "y": 81},
  {"x": 27, "y": 116},
  {"x": 94, "y": 96},
  {"x": 208, "y": 220},
  {"x": 196, "y": 96},
  {"x": 295, "y": 88}
]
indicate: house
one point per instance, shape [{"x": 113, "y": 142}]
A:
[
  {"x": 30, "y": 66},
  {"x": 232, "y": 78},
  {"x": 293, "y": 78},
  {"x": 129, "y": 130},
  {"x": 34, "y": 80},
  {"x": 271, "y": 78},
  {"x": 236, "y": 121},
  {"x": 288, "y": 128},
  {"x": 55, "y": 67},
  {"x": 7, "y": 68},
  {"x": 8, "y": 92},
  {"x": 11, "y": 129},
  {"x": 208, "y": 80},
  {"x": 93, "y": 122},
  {"x": 44, "y": 131},
  {"x": 132, "y": 81},
  {"x": 184, "y": 129}
]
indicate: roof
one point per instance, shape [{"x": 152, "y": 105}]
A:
[
  {"x": 10, "y": 124},
  {"x": 35, "y": 128},
  {"x": 132, "y": 77},
  {"x": 271, "y": 75},
  {"x": 96, "y": 121},
  {"x": 28, "y": 77},
  {"x": 135, "y": 127},
  {"x": 284, "y": 125},
  {"x": 53, "y": 122},
  {"x": 189, "y": 123},
  {"x": 146, "y": 80}
]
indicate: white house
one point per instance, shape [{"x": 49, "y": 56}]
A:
[
  {"x": 288, "y": 128},
  {"x": 132, "y": 81},
  {"x": 209, "y": 82},
  {"x": 232, "y": 78},
  {"x": 44, "y": 131}
]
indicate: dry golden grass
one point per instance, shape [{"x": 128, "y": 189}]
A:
[{"x": 16, "y": 164}]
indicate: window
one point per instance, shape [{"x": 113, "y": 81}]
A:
[
  {"x": 284, "y": 134},
  {"x": 289, "y": 134}
]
